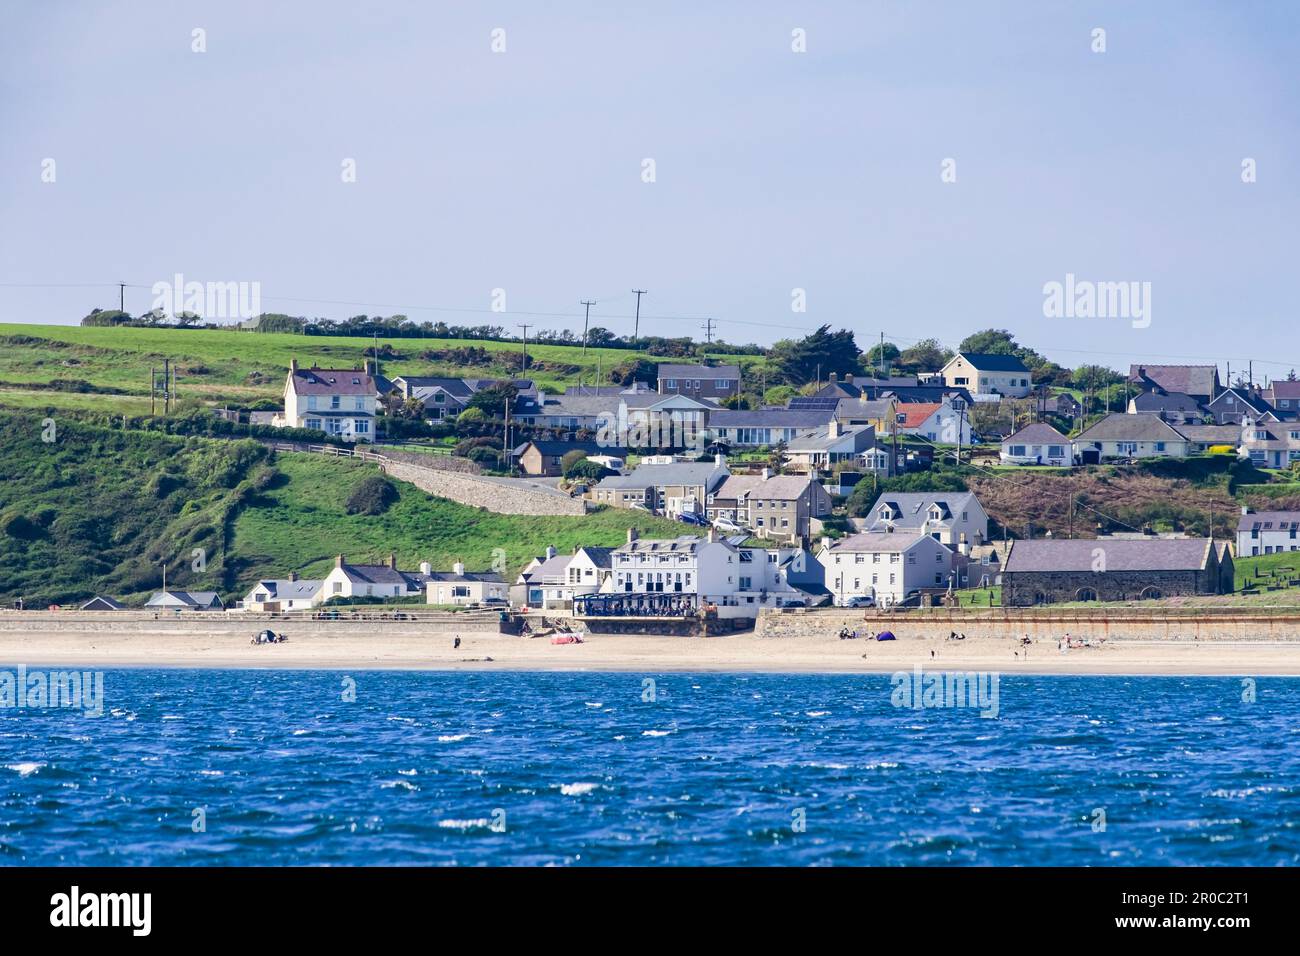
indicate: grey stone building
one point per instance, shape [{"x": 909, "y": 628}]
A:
[{"x": 1049, "y": 571}]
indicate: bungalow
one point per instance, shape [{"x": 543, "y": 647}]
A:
[
  {"x": 1201, "y": 382},
  {"x": 340, "y": 402},
  {"x": 273, "y": 595},
  {"x": 990, "y": 376},
  {"x": 569, "y": 412},
  {"x": 186, "y": 601},
  {"x": 829, "y": 445},
  {"x": 461, "y": 587},
  {"x": 772, "y": 505},
  {"x": 887, "y": 567},
  {"x": 1044, "y": 571},
  {"x": 101, "y": 603},
  {"x": 1129, "y": 436},
  {"x": 373, "y": 580},
  {"x": 649, "y": 420},
  {"x": 672, "y": 489},
  {"x": 545, "y": 458},
  {"x": 950, "y": 517},
  {"x": 1037, "y": 444},
  {"x": 751, "y": 428},
  {"x": 712, "y": 382},
  {"x": 1201, "y": 438}
]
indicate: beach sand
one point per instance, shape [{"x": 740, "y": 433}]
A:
[{"x": 315, "y": 645}]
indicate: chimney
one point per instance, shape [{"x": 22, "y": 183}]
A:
[
  {"x": 631, "y": 535},
  {"x": 392, "y": 560},
  {"x": 719, "y": 459},
  {"x": 767, "y": 473},
  {"x": 833, "y": 429},
  {"x": 338, "y": 560},
  {"x": 963, "y": 546},
  {"x": 550, "y": 551},
  {"x": 458, "y": 567},
  {"x": 1245, "y": 509},
  {"x": 833, "y": 377},
  {"x": 293, "y": 575},
  {"x": 293, "y": 365},
  {"x": 826, "y": 541},
  {"x": 426, "y": 567},
  {"x": 713, "y": 535}
]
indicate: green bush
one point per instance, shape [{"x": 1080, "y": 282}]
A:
[{"x": 373, "y": 495}]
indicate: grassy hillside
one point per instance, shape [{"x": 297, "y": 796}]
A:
[
  {"x": 300, "y": 523},
  {"x": 96, "y": 510},
  {"x": 43, "y": 365},
  {"x": 100, "y": 510}
]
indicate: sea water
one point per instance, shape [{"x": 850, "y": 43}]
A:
[{"x": 366, "y": 768}]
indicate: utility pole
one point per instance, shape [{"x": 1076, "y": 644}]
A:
[
  {"x": 167, "y": 390},
  {"x": 153, "y": 383},
  {"x": 523, "y": 360},
  {"x": 587, "y": 318},
  {"x": 121, "y": 296},
  {"x": 636, "y": 329},
  {"x": 708, "y": 333}
]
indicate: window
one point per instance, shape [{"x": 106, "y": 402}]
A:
[
  {"x": 334, "y": 401},
  {"x": 670, "y": 383},
  {"x": 1160, "y": 446},
  {"x": 359, "y": 404},
  {"x": 361, "y": 426},
  {"x": 311, "y": 403}
]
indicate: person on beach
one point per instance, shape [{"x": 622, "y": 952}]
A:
[{"x": 455, "y": 644}]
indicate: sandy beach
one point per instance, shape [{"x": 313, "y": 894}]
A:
[{"x": 319, "y": 646}]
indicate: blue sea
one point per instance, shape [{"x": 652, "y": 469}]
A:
[{"x": 277, "y": 767}]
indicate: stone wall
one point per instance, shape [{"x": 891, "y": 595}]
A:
[
  {"x": 1020, "y": 587},
  {"x": 483, "y": 493},
  {"x": 1039, "y": 623}
]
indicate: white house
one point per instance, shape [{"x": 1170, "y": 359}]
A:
[
  {"x": 339, "y": 402},
  {"x": 283, "y": 594},
  {"x": 681, "y": 575},
  {"x": 1037, "y": 444},
  {"x": 461, "y": 587},
  {"x": 1267, "y": 532},
  {"x": 1130, "y": 436},
  {"x": 889, "y": 567},
  {"x": 933, "y": 421},
  {"x": 950, "y": 517},
  {"x": 988, "y": 376},
  {"x": 373, "y": 580},
  {"x": 186, "y": 601}
]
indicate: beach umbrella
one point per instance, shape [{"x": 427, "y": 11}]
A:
[{"x": 885, "y": 636}]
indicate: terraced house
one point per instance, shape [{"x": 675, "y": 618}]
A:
[{"x": 777, "y": 506}]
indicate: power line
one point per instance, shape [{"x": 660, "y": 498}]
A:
[
  {"x": 636, "y": 329},
  {"x": 586, "y": 319}
]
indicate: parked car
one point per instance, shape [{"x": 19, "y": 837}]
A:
[
  {"x": 727, "y": 526},
  {"x": 860, "y": 600},
  {"x": 688, "y": 518}
]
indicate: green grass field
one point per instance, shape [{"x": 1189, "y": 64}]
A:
[
  {"x": 220, "y": 366},
  {"x": 300, "y": 524}
]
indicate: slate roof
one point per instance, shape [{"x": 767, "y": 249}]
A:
[
  {"x": 1269, "y": 521},
  {"x": 771, "y": 417},
  {"x": 557, "y": 447},
  {"x": 1212, "y": 434},
  {"x": 333, "y": 381},
  {"x": 657, "y": 476},
  {"x": 684, "y": 544},
  {"x": 1038, "y": 433},
  {"x": 455, "y": 387},
  {"x": 1160, "y": 401},
  {"x": 700, "y": 371},
  {"x": 1120, "y": 554},
  {"x": 1188, "y": 379},
  {"x": 1122, "y": 427},
  {"x": 775, "y": 488},
  {"x": 105, "y": 603},
  {"x": 883, "y": 541},
  {"x": 994, "y": 362},
  {"x": 283, "y": 589},
  {"x": 469, "y": 577},
  {"x": 195, "y": 599},
  {"x": 911, "y": 508},
  {"x": 820, "y": 439},
  {"x": 1284, "y": 388}
]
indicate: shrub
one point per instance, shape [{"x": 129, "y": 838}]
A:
[{"x": 373, "y": 495}]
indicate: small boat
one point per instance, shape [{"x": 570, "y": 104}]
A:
[{"x": 566, "y": 639}]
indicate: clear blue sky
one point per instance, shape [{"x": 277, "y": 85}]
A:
[{"x": 775, "y": 170}]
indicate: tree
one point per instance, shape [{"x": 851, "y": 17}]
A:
[
  {"x": 880, "y": 355},
  {"x": 816, "y": 356},
  {"x": 493, "y": 400},
  {"x": 570, "y": 459},
  {"x": 989, "y": 342},
  {"x": 372, "y": 496},
  {"x": 926, "y": 355}
]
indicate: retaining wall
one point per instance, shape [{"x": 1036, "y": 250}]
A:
[{"x": 484, "y": 493}]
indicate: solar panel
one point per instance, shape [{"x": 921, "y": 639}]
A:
[{"x": 813, "y": 403}]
